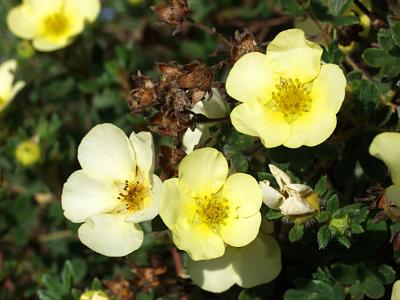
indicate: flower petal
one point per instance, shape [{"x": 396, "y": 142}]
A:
[
  {"x": 7, "y": 70},
  {"x": 22, "y": 22},
  {"x": 395, "y": 290},
  {"x": 385, "y": 146},
  {"x": 313, "y": 127},
  {"x": 153, "y": 207},
  {"x": 256, "y": 120},
  {"x": 106, "y": 152},
  {"x": 238, "y": 232},
  {"x": 270, "y": 197},
  {"x": 202, "y": 172},
  {"x": 45, "y": 45},
  {"x": 281, "y": 177},
  {"x": 191, "y": 139},
  {"x": 251, "y": 79},
  {"x": 291, "y": 55},
  {"x": 214, "y": 275},
  {"x": 329, "y": 86},
  {"x": 89, "y": 9},
  {"x": 295, "y": 205},
  {"x": 393, "y": 193},
  {"x": 83, "y": 197},
  {"x": 258, "y": 262},
  {"x": 243, "y": 193},
  {"x": 212, "y": 108},
  {"x": 143, "y": 146},
  {"x": 16, "y": 88},
  {"x": 110, "y": 235},
  {"x": 198, "y": 240}
]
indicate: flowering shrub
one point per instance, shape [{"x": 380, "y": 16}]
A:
[{"x": 199, "y": 149}]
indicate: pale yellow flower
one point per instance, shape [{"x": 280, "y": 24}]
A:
[
  {"x": 287, "y": 97},
  {"x": 51, "y": 24},
  {"x": 292, "y": 199},
  {"x": 386, "y": 147},
  {"x": 94, "y": 295},
  {"x": 114, "y": 190},
  {"x": 8, "y": 89},
  {"x": 256, "y": 263},
  {"x": 396, "y": 290},
  {"x": 205, "y": 209},
  {"x": 28, "y": 153}
]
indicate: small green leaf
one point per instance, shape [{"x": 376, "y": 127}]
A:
[
  {"x": 387, "y": 274},
  {"x": 53, "y": 285},
  {"x": 395, "y": 28},
  {"x": 273, "y": 214},
  {"x": 322, "y": 217},
  {"x": 296, "y": 233},
  {"x": 322, "y": 186},
  {"x": 385, "y": 40},
  {"x": 356, "y": 291},
  {"x": 338, "y": 7},
  {"x": 344, "y": 241},
  {"x": 373, "y": 287},
  {"x": 356, "y": 229},
  {"x": 323, "y": 236},
  {"x": 333, "y": 203}
]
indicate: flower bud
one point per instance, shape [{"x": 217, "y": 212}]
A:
[
  {"x": 94, "y": 295},
  {"x": 28, "y": 153}
]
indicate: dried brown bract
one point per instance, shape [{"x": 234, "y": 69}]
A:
[
  {"x": 170, "y": 123},
  {"x": 173, "y": 13},
  {"x": 170, "y": 159},
  {"x": 243, "y": 43},
  {"x": 144, "y": 96},
  {"x": 120, "y": 288}
]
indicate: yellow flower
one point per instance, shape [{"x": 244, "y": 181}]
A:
[
  {"x": 28, "y": 153},
  {"x": 287, "y": 97},
  {"x": 396, "y": 291},
  {"x": 386, "y": 147},
  {"x": 114, "y": 190},
  {"x": 94, "y": 295},
  {"x": 51, "y": 24},
  {"x": 8, "y": 89},
  {"x": 205, "y": 209},
  {"x": 257, "y": 263}
]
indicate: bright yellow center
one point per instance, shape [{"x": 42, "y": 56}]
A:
[
  {"x": 213, "y": 210},
  {"x": 133, "y": 195},
  {"x": 55, "y": 24},
  {"x": 291, "y": 98}
]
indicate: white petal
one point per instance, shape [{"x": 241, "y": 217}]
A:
[
  {"x": 295, "y": 206},
  {"x": 7, "y": 70},
  {"x": 393, "y": 193},
  {"x": 153, "y": 208},
  {"x": 212, "y": 108},
  {"x": 106, "y": 152},
  {"x": 83, "y": 197},
  {"x": 190, "y": 139},
  {"x": 281, "y": 177},
  {"x": 143, "y": 146},
  {"x": 298, "y": 189},
  {"x": 271, "y": 197},
  {"x": 110, "y": 235}
]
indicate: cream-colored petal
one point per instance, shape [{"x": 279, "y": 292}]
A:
[
  {"x": 45, "y": 45},
  {"x": 291, "y": 55},
  {"x": 212, "y": 108},
  {"x": 243, "y": 193},
  {"x": 251, "y": 79},
  {"x": 258, "y": 262},
  {"x": 190, "y": 139},
  {"x": 89, "y": 9},
  {"x": 143, "y": 146},
  {"x": 22, "y": 22},
  {"x": 386, "y": 147},
  {"x": 198, "y": 240},
  {"x": 214, "y": 275},
  {"x": 239, "y": 232},
  {"x": 329, "y": 86},
  {"x": 153, "y": 207},
  {"x": 43, "y": 7},
  {"x": 83, "y": 197},
  {"x": 7, "y": 70},
  {"x": 19, "y": 85},
  {"x": 106, "y": 152},
  {"x": 295, "y": 205},
  {"x": 281, "y": 177},
  {"x": 393, "y": 193},
  {"x": 110, "y": 235},
  {"x": 202, "y": 172},
  {"x": 270, "y": 197},
  {"x": 313, "y": 127},
  {"x": 395, "y": 290},
  {"x": 298, "y": 189},
  {"x": 172, "y": 203},
  {"x": 256, "y": 120}
]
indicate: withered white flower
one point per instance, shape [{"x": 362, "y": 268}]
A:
[
  {"x": 292, "y": 199},
  {"x": 213, "y": 108},
  {"x": 114, "y": 190},
  {"x": 256, "y": 263}
]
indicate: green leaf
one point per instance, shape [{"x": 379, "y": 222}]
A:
[
  {"x": 333, "y": 203},
  {"x": 395, "y": 28},
  {"x": 373, "y": 287},
  {"x": 375, "y": 57},
  {"x": 332, "y": 53},
  {"x": 356, "y": 229},
  {"x": 53, "y": 285},
  {"x": 292, "y": 7},
  {"x": 344, "y": 241},
  {"x": 322, "y": 186},
  {"x": 345, "y": 274},
  {"x": 79, "y": 269},
  {"x": 356, "y": 291},
  {"x": 273, "y": 214},
  {"x": 323, "y": 236},
  {"x": 67, "y": 277},
  {"x": 338, "y": 7},
  {"x": 385, "y": 40},
  {"x": 387, "y": 273},
  {"x": 296, "y": 233},
  {"x": 322, "y": 216}
]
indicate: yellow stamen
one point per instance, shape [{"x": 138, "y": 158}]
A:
[
  {"x": 133, "y": 195},
  {"x": 55, "y": 24},
  {"x": 213, "y": 210},
  {"x": 291, "y": 98}
]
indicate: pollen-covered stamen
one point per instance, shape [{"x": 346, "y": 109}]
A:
[
  {"x": 55, "y": 24},
  {"x": 213, "y": 210},
  {"x": 133, "y": 195},
  {"x": 292, "y": 98}
]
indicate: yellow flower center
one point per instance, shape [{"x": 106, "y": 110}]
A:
[
  {"x": 133, "y": 195},
  {"x": 291, "y": 98},
  {"x": 213, "y": 210},
  {"x": 55, "y": 24}
]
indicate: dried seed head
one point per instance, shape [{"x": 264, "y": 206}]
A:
[
  {"x": 243, "y": 43},
  {"x": 142, "y": 97},
  {"x": 173, "y": 13}
]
